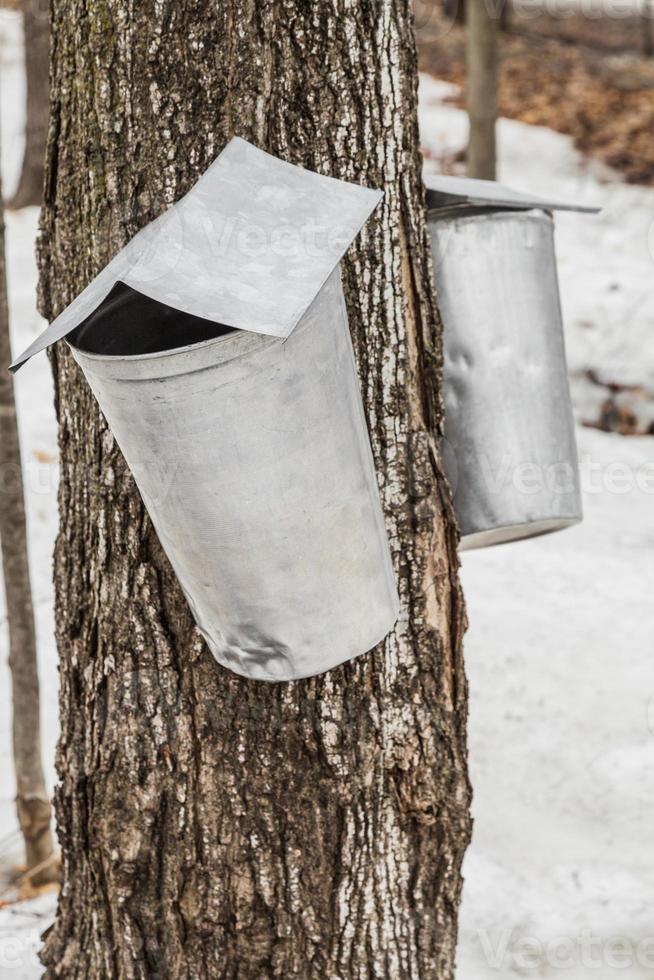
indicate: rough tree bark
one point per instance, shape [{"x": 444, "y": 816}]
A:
[
  {"x": 213, "y": 827},
  {"x": 32, "y": 801},
  {"x": 481, "y": 58},
  {"x": 36, "y": 32}
]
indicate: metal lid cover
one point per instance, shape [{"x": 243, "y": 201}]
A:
[
  {"x": 249, "y": 246},
  {"x": 444, "y": 191}
]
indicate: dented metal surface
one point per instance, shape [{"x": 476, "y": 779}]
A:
[
  {"x": 253, "y": 460},
  {"x": 249, "y": 447},
  {"x": 509, "y": 447}
]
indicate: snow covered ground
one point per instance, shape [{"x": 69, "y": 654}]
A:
[{"x": 560, "y": 876}]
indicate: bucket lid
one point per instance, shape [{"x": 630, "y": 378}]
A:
[
  {"x": 444, "y": 191},
  {"x": 249, "y": 246}
]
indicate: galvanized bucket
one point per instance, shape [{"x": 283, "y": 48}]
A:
[
  {"x": 509, "y": 447},
  {"x": 237, "y": 407}
]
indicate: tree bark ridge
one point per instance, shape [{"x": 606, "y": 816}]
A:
[{"x": 213, "y": 827}]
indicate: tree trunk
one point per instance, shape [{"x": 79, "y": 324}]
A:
[
  {"x": 212, "y": 826},
  {"x": 481, "y": 49},
  {"x": 504, "y": 20},
  {"x": 647, "y": 35},
  {"x": 32, "y": 800},
  {"x": 455, "y": 11},
  {"x": 36, "y": 32}
]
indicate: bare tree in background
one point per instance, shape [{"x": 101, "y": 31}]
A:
[
  {"x": 32, "y": 801},
  {"x": 504, "y": 19},
  {"x": 647, "y": 18},
  {"x": 455, "y": 11},
  {"x": 36, "y": 32},
  {"x": 482, "y": 59}
]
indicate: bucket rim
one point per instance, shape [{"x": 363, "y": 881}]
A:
[
  {"x": 236, "y": 345},
  {"x": 157, "y": 365},
  {"x": 518, "y": 531},
  {"x": 469, "y": 212},
  {"x": 235, "y": 335}
]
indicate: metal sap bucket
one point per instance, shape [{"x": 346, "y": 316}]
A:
[
  {"x": 509, "y": 448},
  {"x": 228, "y": 379}
]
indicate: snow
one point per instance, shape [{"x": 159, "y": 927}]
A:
[
  {"x": 21, "y": 927},
  {"x": 558, "y": 653},
  {"x": 558, "y": 877},
  {"x": 561, "y": 728}
]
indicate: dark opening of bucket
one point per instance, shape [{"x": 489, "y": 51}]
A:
[{"x": 127, "y": 323}]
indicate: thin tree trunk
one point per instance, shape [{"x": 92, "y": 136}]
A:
[
  {"x": 482, "y": 88},
  {"x": 505, "y": 16},
  {"x": 214, "y": 827},
  {"x": 455, "y": 11},
  {"x": 32, "y": 801},
  {"x": 36, "y": 33},
  {"x": 647, "y": 21}
]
